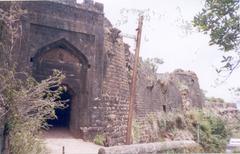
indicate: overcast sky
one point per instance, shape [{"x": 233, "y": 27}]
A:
[{"x": 164, "y": 38}]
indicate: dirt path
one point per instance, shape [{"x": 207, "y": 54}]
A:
[{"x": 56, "y": 139}]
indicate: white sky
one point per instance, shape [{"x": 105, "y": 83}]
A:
[{"x": 163, "y": 38}]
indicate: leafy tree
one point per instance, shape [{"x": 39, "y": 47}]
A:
[{"x": 221, "y": 20}]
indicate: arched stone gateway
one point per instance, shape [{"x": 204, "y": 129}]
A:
[{"x": 65, "y": 57}]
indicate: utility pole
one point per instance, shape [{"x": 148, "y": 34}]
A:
[
  {"x": 198, "y": 133},
  {"x": 134, "y": 79}
]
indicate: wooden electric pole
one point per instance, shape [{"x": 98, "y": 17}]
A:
[{"x": 134, "y": 81}]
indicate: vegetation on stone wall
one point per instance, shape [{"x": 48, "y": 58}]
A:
[
  {"x": 99, "y": 139},
  {"x": 136, "y": 131},
  {"x": 28, "y": 105},
  {"x": 208, "y": 129}
]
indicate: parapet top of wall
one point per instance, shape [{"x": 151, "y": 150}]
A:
[
  {"x": 89, "y": 5},
  {"x": 185, "y": 73},
  {"x": 61, "y": 13}
]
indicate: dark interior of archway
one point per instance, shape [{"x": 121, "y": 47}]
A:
[{"x": 63, "y": 115}]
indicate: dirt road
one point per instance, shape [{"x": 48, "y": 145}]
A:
[{"x": 56, "y": 139}]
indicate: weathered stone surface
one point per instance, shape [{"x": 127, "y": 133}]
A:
[
  {"x": 115, "y": 92},
  {"x": 189, "y": 87},
  {"x": 150, "y": 148},
  {"x": 227, "y": 111},
  {"x": 158, "y": 93},
  {"x": 169, "y": 92}
]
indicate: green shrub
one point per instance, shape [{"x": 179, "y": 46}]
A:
[
  {"x": 151, "y": 117},
  {"x": 28, "y": 111},
  {"x": 212, "y": 131},
  {"x": 99, "y": 139},
  {"x": 170, "y": 125},
  {"x": 136, "y": 132},
  {"x": 207, "y": 128},
  {"x": 25, "y": 101},
  {"x": 161, "y": 124}
]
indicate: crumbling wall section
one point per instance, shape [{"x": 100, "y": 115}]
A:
[
  {"x": 188, "y": 85},
  {"x": 226, "y": 110},
  {"x": 155, "y": 92},
  {"x": 162, "y": 93},
  {"x": 168, "y": 92}
]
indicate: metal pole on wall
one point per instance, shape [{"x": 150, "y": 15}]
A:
[{"x": 134, "y": 79}]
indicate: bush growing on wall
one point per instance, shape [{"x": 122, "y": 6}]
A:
[
  {"x": 206, "y": 128},
  {"x": 27, "y": 103},
  {"x": 99, "y": 139},
  {"x": 209, "y": 129},
  {"x": 136, "y": 131}
]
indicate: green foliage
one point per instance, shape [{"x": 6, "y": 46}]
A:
[
  {"x": 169, "y": 122},
  {"x": 205, "y": 127},
  {"x": 26, "y": 102},
  {"x": 221, "y": 19},
  {"x": 99, "y": 139},
  {"x": 28, "y": 105},
  {"x": 161, "y": 124},
  {"x": 136, "y": 132},
  {"x": 166, "y": 123},
  {"x": 23, "y": 138},
  {"x": 151, "y": 117},
  {"x": 213, "y": 134}
]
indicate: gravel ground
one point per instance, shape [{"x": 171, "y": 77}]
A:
[{"x": 56, "y": 139}]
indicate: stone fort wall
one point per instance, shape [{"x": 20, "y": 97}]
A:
[{"x": 100, "y": 76}]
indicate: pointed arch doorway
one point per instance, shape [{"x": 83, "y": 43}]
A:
[{"x": 63, "y": 56}]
